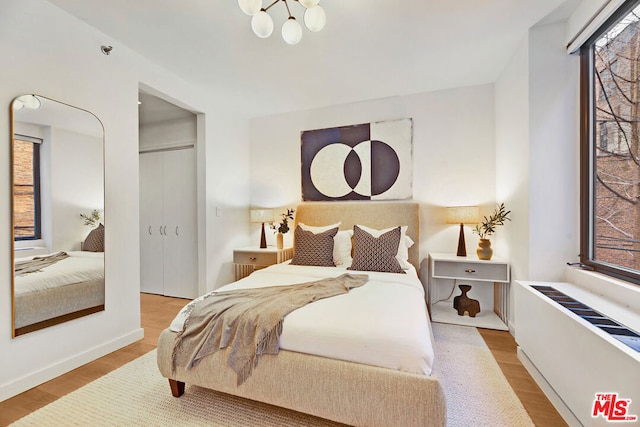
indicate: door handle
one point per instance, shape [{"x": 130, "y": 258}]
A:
[
  {"x": 177, "y": 231},
  {"x": 165, "y": 230},
  {"x": 149, "y": 230},
  {"x": 160, "y": 230}
]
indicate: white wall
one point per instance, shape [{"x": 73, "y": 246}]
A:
[
  {"x": 512, "y": 162},
  {"x": 168, "y": 133},
  {"x": 512, "y": 157},
  {"x": 453, "y": 155},
  {"x": 537, "y": 155},
  {"x": 76, "y": 186},
  {"x": 553, "y": 149},
  {"x": 60, "y": 57}
]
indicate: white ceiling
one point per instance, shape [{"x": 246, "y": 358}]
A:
[
  {"x": 368, "y": 49},
  {"x": 152, "y": 109}
]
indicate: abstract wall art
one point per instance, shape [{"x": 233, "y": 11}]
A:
[{"x": 369, "y": 161}]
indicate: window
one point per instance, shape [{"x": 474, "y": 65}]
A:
[
  {"x": 26, "y": 187},
  {"x": 610, "y": 154}
]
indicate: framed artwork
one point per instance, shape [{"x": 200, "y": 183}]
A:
[{"x": 369, "y": 161}]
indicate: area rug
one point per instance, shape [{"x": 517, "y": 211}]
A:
[{"x": 476, "y": 391}]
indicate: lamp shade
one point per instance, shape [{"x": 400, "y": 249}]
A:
[
  {"x": 463, "y": 215},
  {"x": 261, "y": 215},
  {"x": 250, "y": 7},
  {"x": 315, "y": 18},
  {"x": 291, "y": 31},
  {"x": 309, "y": 3},
  {"x": 262, "y": 24},
  {"x": 29, "y": 101}
]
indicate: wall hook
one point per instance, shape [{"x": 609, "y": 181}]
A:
[{"x": 106, "y": 49}]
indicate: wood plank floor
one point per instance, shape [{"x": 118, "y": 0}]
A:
[
  {"x": 158, "y": 311},
  {"x": 503, "y": 347}
]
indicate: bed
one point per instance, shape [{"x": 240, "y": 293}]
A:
[
  {"x": 355, "y": 373},
  {"x": 70, "y": 287}
]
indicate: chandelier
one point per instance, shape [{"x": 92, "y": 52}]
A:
[{"x": 262, "y": 24}]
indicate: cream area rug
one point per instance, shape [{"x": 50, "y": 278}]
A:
[{"x": 476, "y": 391}]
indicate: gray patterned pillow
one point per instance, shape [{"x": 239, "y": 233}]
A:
[
  {"x": 376, "y": 253},
  {"x": 313, "y": 249},
  {"x": 95, "y": 240}
]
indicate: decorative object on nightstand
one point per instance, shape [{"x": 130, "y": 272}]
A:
[
  {"x": 462, "y": 215},
  {"x": 93, "y": 219},
  {"x": 487, "y": 227},
  {"x": 490, "y": 280},
  {"x": 463, "y": 303},
  {"x": 247, "y": 260},
  {"x": 262, "y": 216},
  {"x": 282, "y": 228}
]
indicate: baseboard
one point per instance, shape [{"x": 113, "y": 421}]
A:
[
  {"x": 34, "y": 379},
  {"x": 512, "y": 327},
  {"x": 551, "y": 394}
]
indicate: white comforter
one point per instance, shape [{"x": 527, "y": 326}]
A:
[
  {"x": 80, "y": 266},
  {"x": 383, "y": 323}
]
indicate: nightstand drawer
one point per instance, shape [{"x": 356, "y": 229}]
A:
[
  {"x": 472, "y": 271},
  {"x": 257, "y": 258}
]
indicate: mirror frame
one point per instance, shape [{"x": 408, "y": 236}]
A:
[{"x": 70, "y": 316}]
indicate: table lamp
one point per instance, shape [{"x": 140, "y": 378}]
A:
[
  {"x": 462, "y": 215},
  {"x": 262, "y": 216}
]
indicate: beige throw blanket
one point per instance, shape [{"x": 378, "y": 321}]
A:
[
  {"x": 249, "y": 321},
  {"x": 37, "y": 263}
]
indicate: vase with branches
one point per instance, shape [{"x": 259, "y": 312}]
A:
[
  {"x": 282, "y": 227},
  {"x": 487, "y": 227},
  {"x": 93, "y": 219}
]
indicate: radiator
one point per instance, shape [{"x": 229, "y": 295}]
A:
[{"x": 572, "y": 341}]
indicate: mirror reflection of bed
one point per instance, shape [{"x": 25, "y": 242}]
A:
[{"x": 57, "y": 163}]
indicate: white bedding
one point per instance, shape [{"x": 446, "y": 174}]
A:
[
  {"x": 80, "y": 266},
  {"x": 383, "y": 323}
]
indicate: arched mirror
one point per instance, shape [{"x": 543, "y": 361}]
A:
[{"x": 57, "y": 180}]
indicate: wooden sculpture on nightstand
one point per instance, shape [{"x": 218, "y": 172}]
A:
[{"x": 463, "y": 303}]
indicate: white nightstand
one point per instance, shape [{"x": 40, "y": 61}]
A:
[
  {"x": 490, "y": 285},
  {"x": 247, "y": 260}
]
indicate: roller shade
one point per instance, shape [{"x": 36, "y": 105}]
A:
[{"x": 592, "y": 25}]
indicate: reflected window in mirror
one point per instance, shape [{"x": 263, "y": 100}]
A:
[
  {"x": 57, "y": 180},
  {"x": 26, "y": 187}
]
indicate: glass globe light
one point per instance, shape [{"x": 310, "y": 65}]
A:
[
  {"x": 30, "y": 101},
  {"x": 291, "y": 31},
  {"x": 309, "y": 3},
  {"x": 250, "y": 7},
  {"x": 315, "y": 18},
  {"x": 262, "y": 24}
]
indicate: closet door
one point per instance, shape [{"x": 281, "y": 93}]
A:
[
  {"x": 180, "y": 240},
  {"x": 151, "y": 223}
]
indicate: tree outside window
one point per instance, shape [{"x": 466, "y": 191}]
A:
[{"x": 613, "y": 230}]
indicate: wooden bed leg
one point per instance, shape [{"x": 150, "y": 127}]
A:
[{"x": 177, "y": 388}]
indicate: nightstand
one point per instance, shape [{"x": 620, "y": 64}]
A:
[
  {"x": 247, "y": 260},
  {"x": 490, "y": 285}
]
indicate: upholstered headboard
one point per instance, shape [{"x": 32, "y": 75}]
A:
[{"x": 372, "y": 214}]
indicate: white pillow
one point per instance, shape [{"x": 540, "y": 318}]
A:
[
  {"x": 342, "y": 247},
  {"x": 315, "y": 229},
  {"x": 403, "y": 248},
  {"x": 341, "y": 241}
]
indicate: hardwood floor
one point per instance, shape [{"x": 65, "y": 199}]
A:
[
  {"x": 158, "y": 311},
  {"x": 503, "y": 347}
]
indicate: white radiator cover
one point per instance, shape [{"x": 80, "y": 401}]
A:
[{"x": 574, "y": 359}]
